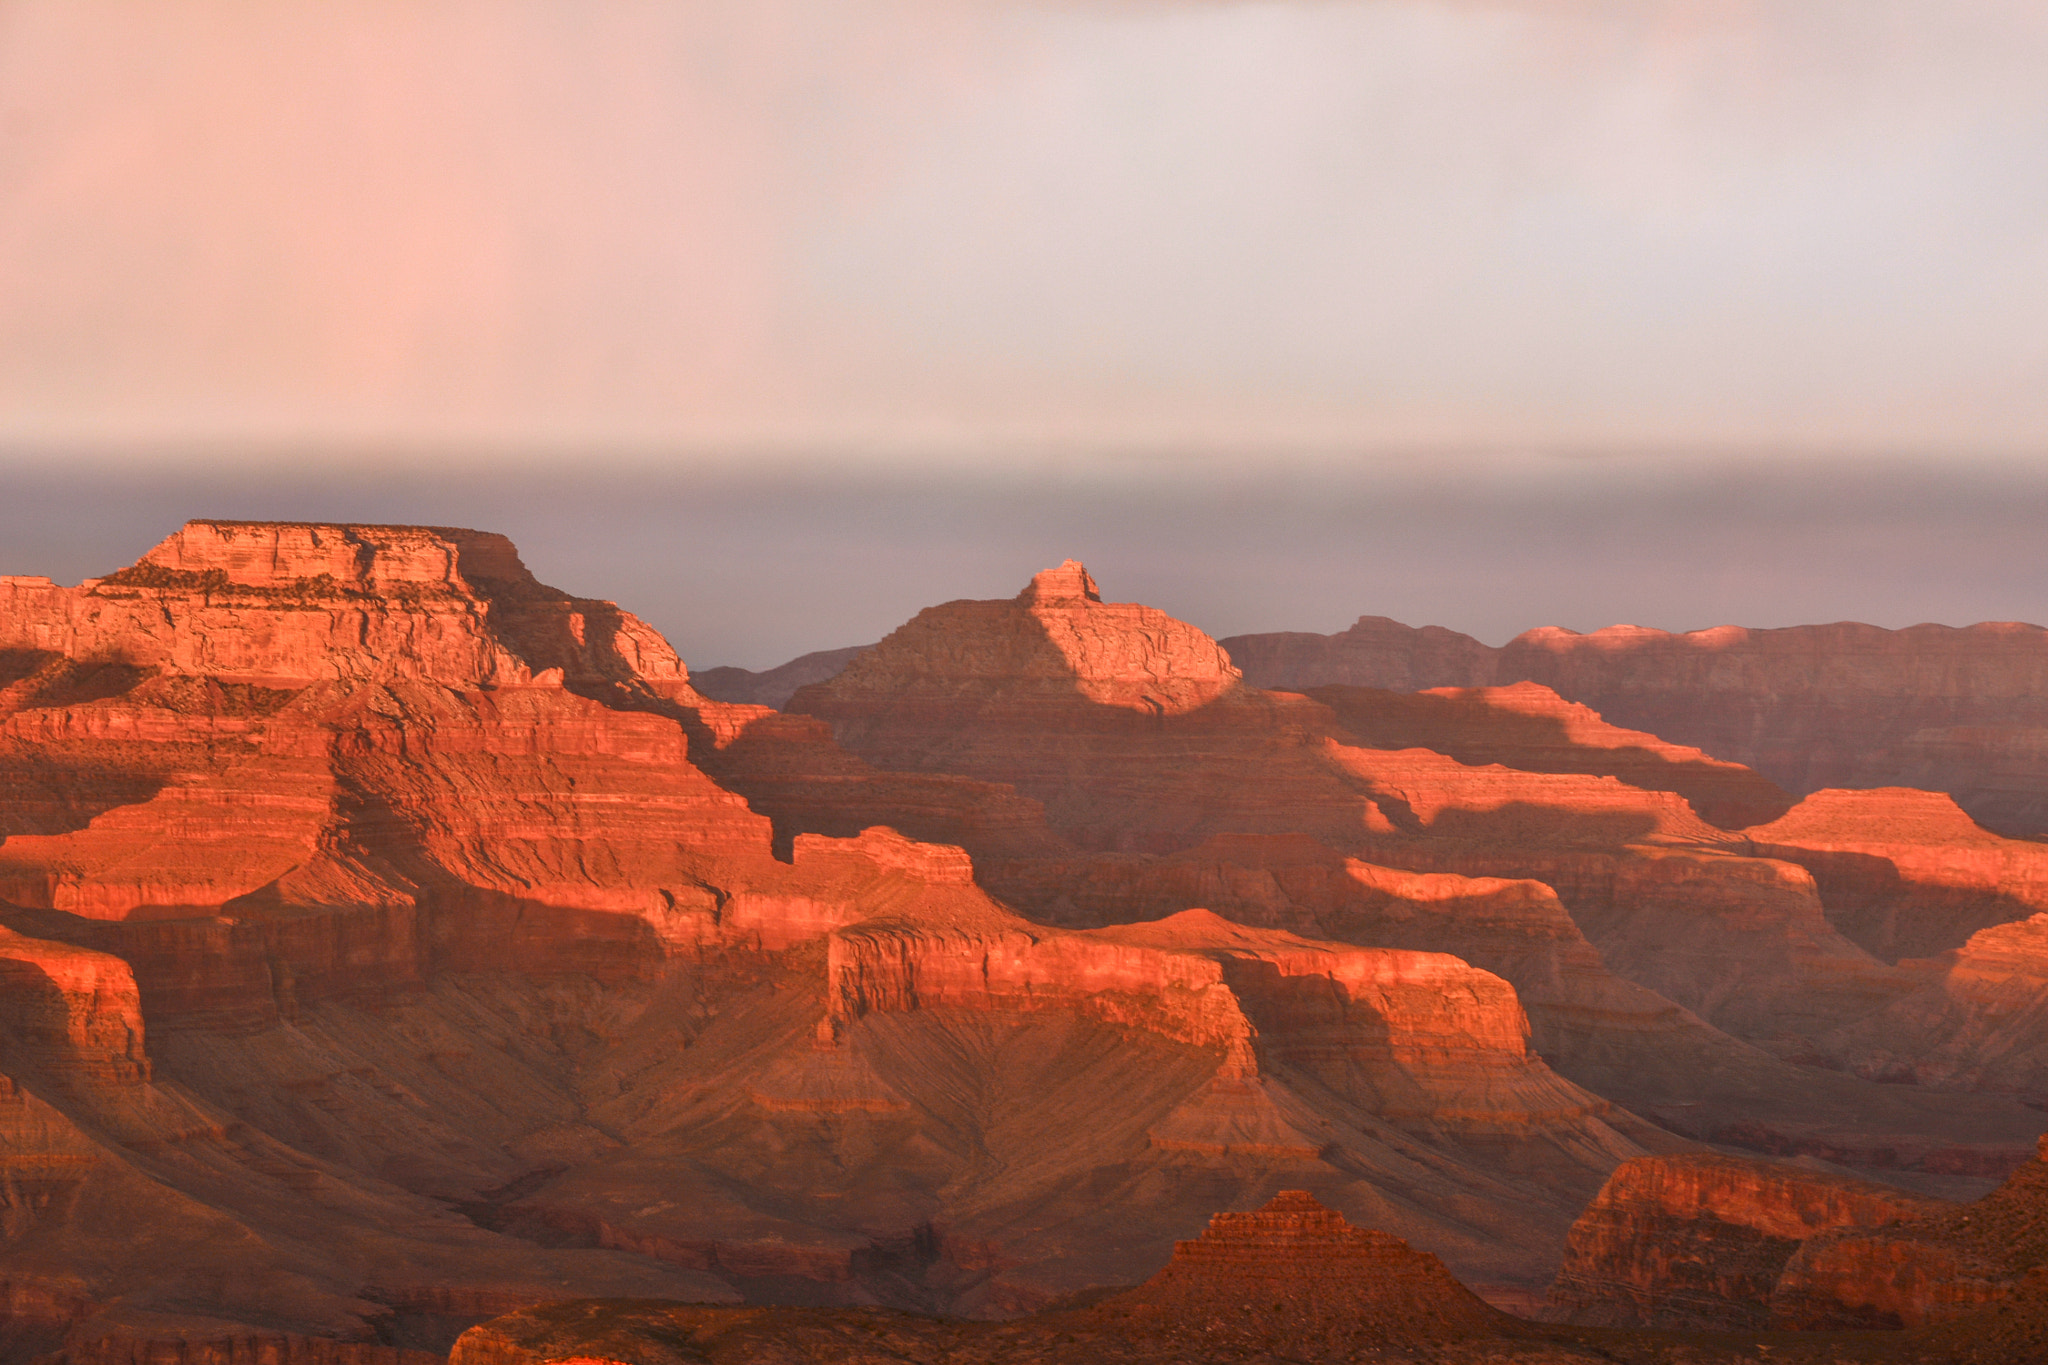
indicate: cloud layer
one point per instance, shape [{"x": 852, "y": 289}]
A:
[{"x": 937, "y": 229}]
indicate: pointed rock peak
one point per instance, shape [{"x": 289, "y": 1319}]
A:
[
  {"x": 1298, "y": 1202},
  {"x": 1070, "y": 582},
  {"x": 1056, "y": 638},
  {"x": 1298, "y": 1253}
]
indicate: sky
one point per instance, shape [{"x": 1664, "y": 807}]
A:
[{"x": 776, "y": 320}]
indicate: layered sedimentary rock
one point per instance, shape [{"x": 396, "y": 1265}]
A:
[
  {"x": 1322, "y": 1279},
  {"x": 1975, "y": 1018},
  {"x": 1906, "y": 873},
  {"x": 1714, "y": 1242},
  {"x": 1143, "y": 816},
  {"x": 1700, "y": 1240},
  {"x": 1963, "y": 711},
  {"x": 353, "y": 878},
  {"x": 1228, "y": 1051},
  {"x": 1530, "y": 728},
  {"x": 408, "y": 941},
  {"x": 1291, "y": 1279},
  {"x": 1708, "y": 1241}
]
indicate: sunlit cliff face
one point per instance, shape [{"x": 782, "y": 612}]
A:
[{"x": 931, "y": 226}]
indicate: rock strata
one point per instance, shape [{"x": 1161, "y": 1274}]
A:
[
  {"x": 1906, "y": 873},
  {"x": 1937, "y": 1266},
  {"x": 1697, "y": 938},
  {"x": 396, "y": 941},
  {"x": 1701, "y": 1241},
  {"x": 1294, "y": 1252},
  {"x": 1958, "y": 710}
]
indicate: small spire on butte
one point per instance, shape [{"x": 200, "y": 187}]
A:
[{"x": 1069, "y": 582}]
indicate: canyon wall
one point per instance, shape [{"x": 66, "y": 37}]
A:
[
  {"x": 399, "y": 941},
  {"x": 1957, "y": 710}
]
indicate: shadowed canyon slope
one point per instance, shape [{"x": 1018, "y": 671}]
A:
[
  {"x": 389, "y": 941},
  {"x": 1958, "y": 710},
  {"x": 1291, "y": 1277},
  {"x": 1293, "y": 1281}
]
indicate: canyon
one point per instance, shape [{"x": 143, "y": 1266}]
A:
[
  {"x": 1956, "y": 710},
  {"x": 390, "y": 942}
]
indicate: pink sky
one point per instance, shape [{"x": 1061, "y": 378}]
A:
[{"x": 958, "y": 230}]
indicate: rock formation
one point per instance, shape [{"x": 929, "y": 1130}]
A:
[
  {"x": 1292, "y": 1281},
  {"x": 1145, "y": 815},
  {"x": 1295, "y": 1272},
  {"x": 1963, "y": 711},
  {"x": 389, "y": 941},
  {"x": 1701, "y": 1241},
  {"x": 1532, "y": 729},
  {"x": 1706, "y": 1241},
  {"x": 1291, "y": 1278},
  {"x": 1906, "y": 873},
  {"x": 353, "y": 879}
]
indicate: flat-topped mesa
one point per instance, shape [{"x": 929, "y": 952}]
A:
[
  {"x": 284, "y": 603},
  {"x": 1907, "y": 873},
  {"x": 276, "y": 554},
  {"x": 1056, "y": 639},
  {"x": 1298, "y": 1256}
]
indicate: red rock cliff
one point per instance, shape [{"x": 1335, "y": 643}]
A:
[
  {"x": 1700, "y": 1241},
  {"x": 1906, "y": 873}
]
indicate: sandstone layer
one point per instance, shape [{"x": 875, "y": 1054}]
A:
[
  {"x": 1704, "y": 1241},
  {"x": 1663, "y": 962},
  {"x": 1906, "y": 873},
  {"x": 1963, "y": 711},
  {"x": 389, "y": 941},
  {"x": 1292, "y": 1278},
  {"x": 1701, "y": 1240}
]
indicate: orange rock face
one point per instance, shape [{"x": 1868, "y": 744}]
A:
[
  {"x": 1906, "y": 873},
  {"x": 1701, "y": 1241},
  {"x": 401, "y": 941},
  {"x": 354, "y": 877},
  {"x": 1633, "y": 889},
  {"x": 1529, "y": 728},
  {"x": 1810, "y": 707},
  {"x": 1934, "y": 1266},
  {"x": 1058, "y": 641},
  {"x": 1294, "y": 1254},
  {"x": 1973, "y": 1019}
]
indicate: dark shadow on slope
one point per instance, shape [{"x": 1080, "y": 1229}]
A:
[
  {"x": 60, "y": 682},
  {"x": 1525, "y": 824},
  {"x": 46, "y": 793},
  {"x": 1477, "y": 729},
  {"x": 1891, "y": 917}
]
